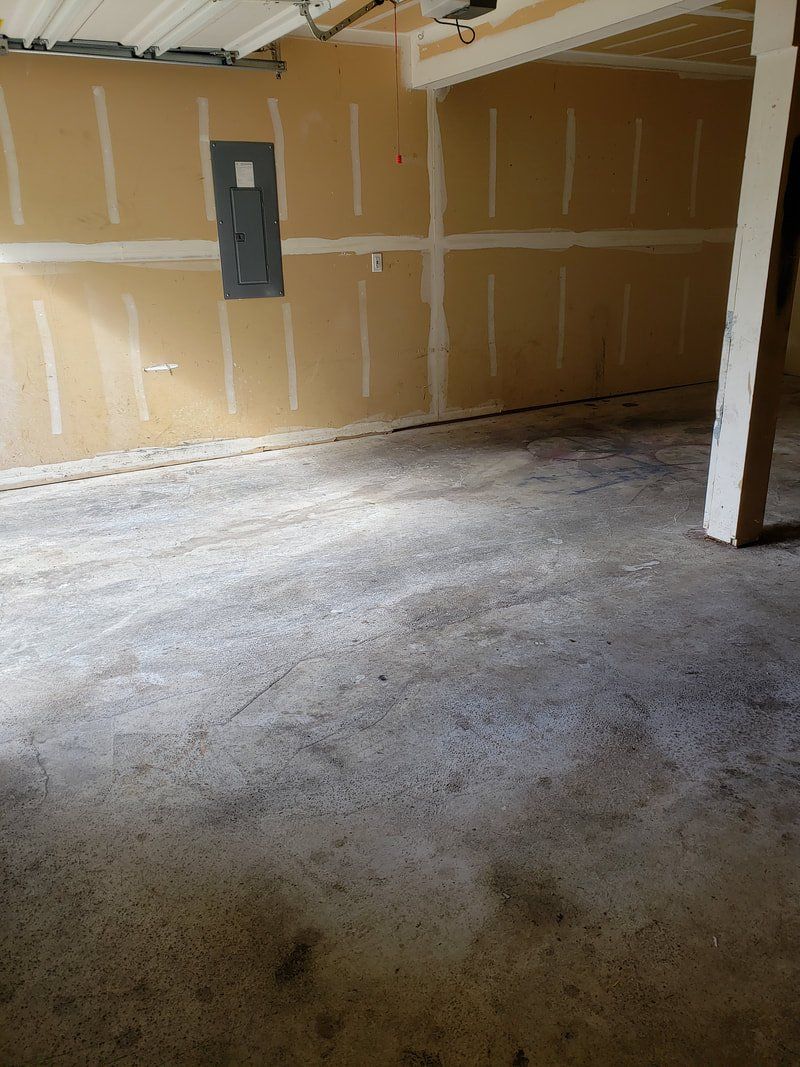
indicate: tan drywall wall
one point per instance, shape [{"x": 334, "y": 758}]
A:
[
  {"x": 676, "y": 295},
  {"x": 154, "y": 117},
  {"x": 80, "y": 332}
]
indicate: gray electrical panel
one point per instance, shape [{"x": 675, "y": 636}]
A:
[{"x": 246, "y": 196}]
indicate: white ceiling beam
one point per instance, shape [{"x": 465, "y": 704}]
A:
[{"x": 580, "y": 24}]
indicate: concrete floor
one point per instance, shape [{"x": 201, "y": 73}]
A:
[{"x": 459, "y": 746}]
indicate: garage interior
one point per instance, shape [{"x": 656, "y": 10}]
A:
[{"x": 399, "y": 437}]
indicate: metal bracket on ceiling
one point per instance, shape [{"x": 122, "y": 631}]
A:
[{"x": 331, "y": 31}]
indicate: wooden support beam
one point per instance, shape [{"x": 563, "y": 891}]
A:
[{"x": 762, "y": 284}]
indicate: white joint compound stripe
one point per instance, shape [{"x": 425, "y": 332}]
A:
[
  {"x": 355, "y": 156},
  {"x": 191, "y": 251},
  {"x": 490, "y": 328},
  {"x": 646, "y": 37},
  {"x": 314, "y": 246},
  {"x": 291, "y": 365},
  {"x": 698, "y": 137},
  {"x": 438, "y": 339},
  {"x": 177, "y": 251},
  {"x": 569, "y": 160},
  {"x": 492, "y": 162},
  {"x": 721, "y": 51},
  {"x": 8, "y": 387},
  {"x": 363, "y": 323},
  {"x": 106, "y": 344},
  {"x": 623, "y": 332},
  {"x": 108, "y": 252},
  {"x": 12, "y": 166},
  {"x": 135, "y": 357},
  {"x": 280, "y": 163},
  {"x": 109, "y": 172},
  {"x": 557, "y": 240},
  {"x": 50, "y": 370},
  {"x": 684, "y": 316},
  {"x": 562, "y": 315},
  {"x": 637, "y": 155},
  {"x": 205, "y": 157},
  {"x": 695, "y": 41},
  {"x": 227, "y": 355}
]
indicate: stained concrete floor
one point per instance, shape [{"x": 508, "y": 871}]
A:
[{"x": 459, "y": 746}]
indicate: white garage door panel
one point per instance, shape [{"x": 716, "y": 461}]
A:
[
  {"x": 113, "y": 20},
  {"x": 243, "y": 19},
  {"x": 239, "y": 25},
  {"x": 23, "y": 17}
]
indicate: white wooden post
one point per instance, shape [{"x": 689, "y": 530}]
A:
[{"x": 762, "y": 285}]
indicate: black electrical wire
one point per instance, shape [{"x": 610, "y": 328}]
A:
[{"x": 460, "y": 28}]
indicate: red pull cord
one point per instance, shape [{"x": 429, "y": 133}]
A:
[{"x": 398, "y": 157}]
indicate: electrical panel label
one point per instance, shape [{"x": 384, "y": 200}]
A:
[{"x": 245, "y": 175}]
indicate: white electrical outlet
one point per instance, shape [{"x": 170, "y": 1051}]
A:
[{"x": 377, "y": 262}]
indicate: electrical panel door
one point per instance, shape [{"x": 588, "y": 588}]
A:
[{"x": 246, "y": 198}]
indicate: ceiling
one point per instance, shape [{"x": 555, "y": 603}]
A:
[
  {"x": 719, "y": 34},
  {"x": 712, "y": 38},
  {"x": 703, "y": 40}
]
